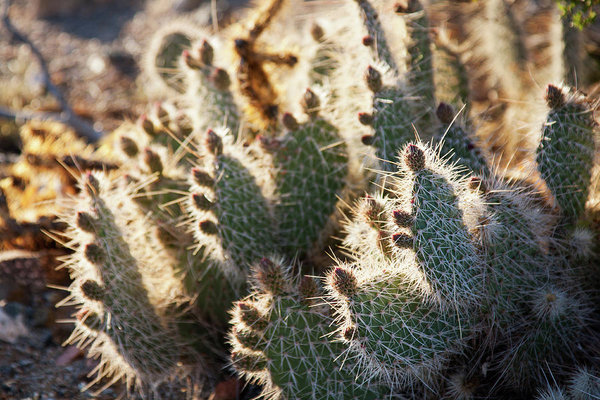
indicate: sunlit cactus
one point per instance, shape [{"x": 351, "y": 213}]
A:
[
  {"x": 282, "y": 340},
  {"x": 569, "y": 125}
]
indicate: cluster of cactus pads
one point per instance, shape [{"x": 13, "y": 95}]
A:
[{"x": 357, "y": 239}]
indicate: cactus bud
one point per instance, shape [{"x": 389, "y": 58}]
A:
[
  {"x": 445, "y": 113},
  {"x": 214, "y": 143},
  {"x": 373, "y": 79},
  {"x": 206, "y": 53},
  {"x": 309, "y": 290},
  {"x": 317, "y": 32},
  {"x": 475, "y": 183},
  {"x": 95, "y": 254},
  {"x": 402, "y": 218},
  {"x": 208, "y": 227},
  {"x": 365, "y": 118},
  {"x": 202, "y": 178},
  {"x": 401, "y": 7},
  {"x": 220, "y": 78},
  {"x": 402, "y": 240},
  {"x": 367, "y": 140},
  {"x": 129, "y": 146},
  {"x": 383, "y": 241},
  {"x": 414, "y": 157},
  {"x": 554, "y": 97},
  {"x": 368, "y": 40},
  {"x": 343, "y": 281},
  {"x": 161, "y": 114},
  {"x": 371, "y": 210},
  {"x": 289, "y": 121},
  {"x": 310, "y": 102},
  {"x": 153, "y": 161},
  {"x": 249, "y": 362},
  {"x": 250, "y": 315},
  {"x": 85, "y": 222},
  {"x": 270, "y": 277},
  {"x": 92, "y": 290},
  {"x": 190, "y": 61},
  {"x": 147, "y": 125},
  {"x": 201, "y": 202},
  {"x": 92, "y": 185},
  {"x": 248, "y": 338},
  {"x": 350, "y": 332}
]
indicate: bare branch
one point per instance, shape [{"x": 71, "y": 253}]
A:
[{"x": 68, "y": 116}]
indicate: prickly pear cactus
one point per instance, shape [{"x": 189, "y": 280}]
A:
[
  {"x": 569, "y": 125},
  {"x": 124, "y": 288},
  {"x": 281, "y": 339}
]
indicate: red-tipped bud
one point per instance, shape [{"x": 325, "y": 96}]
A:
[
  {"x": 371, "y": 210},
  {"x": 350, "y": 333},
  {"x": 403, "y": 219},
  {"x": 86, "y": 222},
  {"x": 92, "y": 185},
  {"x": 128, "y": 146},
  {"x": 365, "y": 118},
  {"x": 317, "y": 32},
  {"x": 414, "y": 157},
  {"x": 251, "y": 316},
  {"x": 289, "y": 121},
  {"x": 402, "y": 240},
  {"x": 153, "y": 161},
  {"x": 220, "y": 78},
  {"x": 201, "y": 202},
  {"x": 208, "y": 227},
  {"x": 206, "y": 53},
  {"x": 343, "y": 281},
  {"x": 214, "y": 143},
  {"x": 92, "y": 290},
  {"x": 373, "y": 79},
  {"x": 310, "y": 102},
  {"x": 147, "y": 125},
  {"x": 94, "y": 254},
  {"x": 445, "y": 113},
  {"x": 555, "y": 97},
  {"x": 270, "y": 277},
  {"x": 367, "y": 140},
  {"x": 202, "y": 178},
  {"x": 368, "y": 40}
]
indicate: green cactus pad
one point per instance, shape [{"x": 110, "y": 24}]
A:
[{"x": 565, "y": 155}]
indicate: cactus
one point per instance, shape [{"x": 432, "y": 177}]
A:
[
  {"x": 124, "y": 291},
  {"x": 281, "y": 340},
  {"x": 410, "y": 312},
  {"x": 451, "y": 277},
  {"x": 569, "y": 125},
  {"x": 311, "y": 164},
  {"x": 230, "y": 216}
]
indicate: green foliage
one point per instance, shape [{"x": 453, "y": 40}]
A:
[{"x": 580, "y": 13}]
